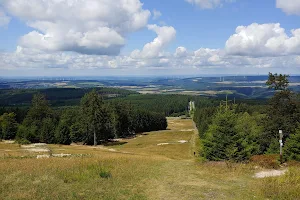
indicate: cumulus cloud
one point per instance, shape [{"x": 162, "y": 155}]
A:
[
  {"x": 4, "y": 19},
  {"x": 208, "y": 4},
  {"x": 181, "y": 52},
  {"x": 156, "y": 14},
  {"x": 263, "y": 40},
  {"x": 291, "y": 7},
  {"x": 165, "y": 35},
  {"x": 254, "y": 47},
  {"x": 84, "y": 26}
]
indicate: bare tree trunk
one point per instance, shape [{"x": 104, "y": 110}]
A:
[{"x": 95, "y": 137}]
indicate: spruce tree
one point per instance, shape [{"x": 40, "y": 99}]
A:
[{"x": 292, "y": 146}]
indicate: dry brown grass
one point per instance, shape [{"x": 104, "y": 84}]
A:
[{"x": 139, "y": 169}]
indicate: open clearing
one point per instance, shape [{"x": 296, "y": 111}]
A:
[{"x": 137, "y": 168}]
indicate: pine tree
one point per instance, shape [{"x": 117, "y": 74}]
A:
[
  {"x": 220, "y": 139},
  {"x": 40, "y": 121},
  {"x": 248, "y": 133},
  {"x": 292, "y": 146},
  {"x": 283, "y": 113},
  {"x": 62, "y": 134},
  {"x": 93, "y": 117},
  {"x": 8, "y": 126}
]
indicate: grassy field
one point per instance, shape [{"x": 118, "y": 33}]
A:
[{"x": 156, "y": 165}]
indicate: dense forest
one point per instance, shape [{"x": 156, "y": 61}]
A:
[
  {"x": 56, "y": 96},
  {"x": 236, "y": 132},
  {"x": 91, "y": 122}
]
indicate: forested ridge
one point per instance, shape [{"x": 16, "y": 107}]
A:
[{"x": 56, "y": 96}]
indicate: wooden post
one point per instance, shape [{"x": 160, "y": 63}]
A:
[{"x": 281, "y": 144}]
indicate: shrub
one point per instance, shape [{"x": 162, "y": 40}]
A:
[
  {"x": 266, "y": 161},
  {"x": 105, "y": 174},
  {"x": 23, "y": 141}
]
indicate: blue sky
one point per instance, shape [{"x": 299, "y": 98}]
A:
[
  {"x": 188, "y": 37},
  {"x": 212, "y": 27}
]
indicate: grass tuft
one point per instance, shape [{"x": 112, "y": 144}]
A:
[{"x": 105, "y": 174}]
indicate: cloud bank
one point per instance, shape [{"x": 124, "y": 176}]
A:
[{"x": 84, "y": 26}]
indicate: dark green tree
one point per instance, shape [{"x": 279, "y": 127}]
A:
[
  {"x": 8, "y": 126},
  {"x": 282, "y": 114},
  {"x": 47, "y": 132},
  {"x": 77, "y": 132},
  {"x": 220, "y": 139},
  {"x": 203, "y": 117},
  {"x": 68, "y": 118},
  {"x": 62, "y": 134},
  {"x": 248, "y": 131},
  {"x": 278, "y": 82},
  {"x": 292, "y": 146},
  {"x": 40, "y": 121},
  {"x": 108, "y": 123},
  {"x": 123, "y": 114},
  {"x": 93, "y": 117}
]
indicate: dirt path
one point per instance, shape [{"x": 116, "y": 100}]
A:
[{"x": 193, "y": 140}]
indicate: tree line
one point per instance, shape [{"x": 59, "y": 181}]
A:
[
  {"x": 238, "y": 131},
  {"x": 57, "y": 96},
  {"x": 92, "y": 122}
]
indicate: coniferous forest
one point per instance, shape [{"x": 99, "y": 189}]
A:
[
  {"x": 92, "y": 119},
  {"x": 237, "y": 132}
]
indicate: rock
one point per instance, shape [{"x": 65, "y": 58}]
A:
[
  {"x": 61, "y": 155},
  {"x": 182, "y": 141},
  {"x": 42, "y": 156},
  {"x": 161, "y": 144},
  {"x": 38, "y": 150}
]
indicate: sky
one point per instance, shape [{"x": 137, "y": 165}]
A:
[{"x": 149, "y": 37}]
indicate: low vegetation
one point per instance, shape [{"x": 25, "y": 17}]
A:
[{"x": 137, "y": 169}]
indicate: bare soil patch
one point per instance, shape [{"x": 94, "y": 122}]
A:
[{"x": 270, "y": 173}]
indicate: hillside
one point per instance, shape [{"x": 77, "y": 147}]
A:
[{"x": 155, "y": 165}]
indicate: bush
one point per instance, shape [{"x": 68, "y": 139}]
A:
[
  {"x": 266, "y": 161},
  {"x": 105, "y": 174},
  {"x": 23, "y": 141}
]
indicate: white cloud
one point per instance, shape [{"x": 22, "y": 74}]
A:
[
  {"x": 208, "y": 4},
  {"x": 84, "y": 26},
  {"x": 156, "y": 14},
  {"x": 246, "y": 51},
  {"x": 165, "y": 35},
  {"x": 263, "y": 40},
  {"x": 4, "y": 19},
  {"x": 181, "y": 52},
  {"x": 204, "y": 59},
  {"x": 291, "y": 7}
]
